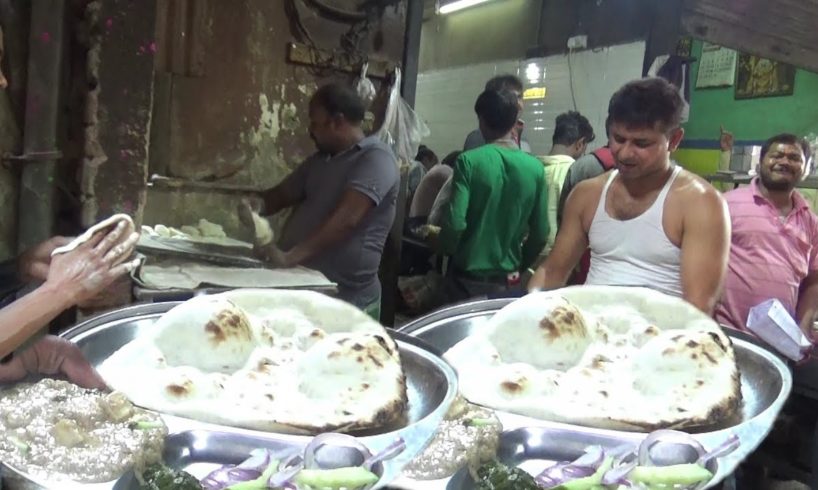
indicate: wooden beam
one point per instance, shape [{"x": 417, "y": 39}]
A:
[{"x": 755, "y": 27}]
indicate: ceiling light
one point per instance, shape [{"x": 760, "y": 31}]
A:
[
  {"x": 532, "y": 72},
  {"x": 447, "y": 7}
]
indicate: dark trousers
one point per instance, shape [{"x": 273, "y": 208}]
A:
[{"x": 459, "y": 286}]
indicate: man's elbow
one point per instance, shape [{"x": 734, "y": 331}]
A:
[{"x": 704, "y": 302}]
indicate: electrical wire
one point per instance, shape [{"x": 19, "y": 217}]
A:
[
  {"x": 571, "y": 80},
  {"x": 337, "y": 13}
]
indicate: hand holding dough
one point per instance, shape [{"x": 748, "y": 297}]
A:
[{"x": 262, "y": 232}]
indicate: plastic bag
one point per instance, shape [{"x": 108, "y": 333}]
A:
[
  {"x": 365, "y": 87},
  {"x": 402, "y": 128},
  {"x": 772, "y": 324}
]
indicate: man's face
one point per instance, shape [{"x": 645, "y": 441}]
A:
[
  {"x": 639, "y": 152},
  {"x": 323, "y": 129},
  {"x": 782, "y": 167}
]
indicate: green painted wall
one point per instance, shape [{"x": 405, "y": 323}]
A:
[
  {"x": 501, "y": 30},
  {"x": 748, "y": 120},
  {"x": 753, "y": 119}
]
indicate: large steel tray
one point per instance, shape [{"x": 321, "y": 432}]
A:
[
  {"x": 765, "y": 385},
  {"x": 431, "y": 387}
]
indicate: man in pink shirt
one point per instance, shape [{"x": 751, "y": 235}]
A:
[{"x": 774, "y": 250}]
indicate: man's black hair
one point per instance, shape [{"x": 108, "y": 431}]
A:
[
  {"x": 505, "y": 82},
  {"x": 424, "y": 152},
  {"x": 340, "y": 99},
  {"x": 570, "y": 127},
  {"x": 647, "y": 103},
  {"x": 497, "y": 110},
  {"x": 451, "y": 158}
]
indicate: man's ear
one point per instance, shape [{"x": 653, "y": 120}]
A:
[
  {"x": 676, "y": 137},
  {"x": 580, "y": 145},
  {"x": 808, "y": 167}
]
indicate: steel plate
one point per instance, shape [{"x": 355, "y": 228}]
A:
[
  {"x": 765, "y": 385},
  {"x": 200, "y": 452},
  {"x": 431, "y": 387},
  {"x": 536, "y": 448}
]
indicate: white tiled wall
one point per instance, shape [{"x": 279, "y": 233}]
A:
[{"x": 445, "y": 98}]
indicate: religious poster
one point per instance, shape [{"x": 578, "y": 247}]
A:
[
  {"x": 760, "y": 77},
  {"x": 717, "y": 67}
]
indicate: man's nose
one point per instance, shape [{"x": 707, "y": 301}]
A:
[
  {"x": 3, "y": 82},
  {"x": 624, "y": 151}
]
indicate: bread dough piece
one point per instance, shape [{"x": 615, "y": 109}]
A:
[
  {"x": 191, "y": 231},
  {"x": 209, "y": 229},
  {"x": 107, "y": 223},
  {"x": 262, "y": 232}
]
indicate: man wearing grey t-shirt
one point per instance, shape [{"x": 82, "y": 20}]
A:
[{"x": 343, "y": 198}]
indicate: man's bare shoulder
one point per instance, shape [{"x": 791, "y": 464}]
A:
[
  {"x": 585, "y": 196},
  {"x": 691, "y": 189},
  {"x": 592, "y": 186},
  {"x": 695, "y": 197}
]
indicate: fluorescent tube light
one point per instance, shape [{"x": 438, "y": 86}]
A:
[{"x": 449, "y": 7}]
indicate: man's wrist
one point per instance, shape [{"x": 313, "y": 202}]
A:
[{"x": 53, "y": 294}]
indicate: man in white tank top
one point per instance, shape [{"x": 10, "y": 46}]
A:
[{"x": 648, "y": 222}]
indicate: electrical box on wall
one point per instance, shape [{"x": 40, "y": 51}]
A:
[{"x": 578, "y": 42}]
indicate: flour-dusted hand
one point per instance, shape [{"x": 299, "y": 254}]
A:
[
  {"x": 273, "y": 255},
  {"x": 92, "y": 266},
  {"x": 33, "y": 263},
  {"x": 52, "y": 356}
]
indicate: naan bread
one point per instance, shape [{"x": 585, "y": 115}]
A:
[
  {"x": 608, "y": 357},
  {"x": 282, "y": 361}
]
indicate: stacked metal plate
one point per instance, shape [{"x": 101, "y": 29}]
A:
[
  {"x": 199, "y": 447},
  {"x": 533, "y": 444}
]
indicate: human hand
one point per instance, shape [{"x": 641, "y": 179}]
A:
[
  {"x": 726, "y": 139},
  {"x": 87, "y": 270},
  {"x": 33, "y": 264},
  {"x": 49, "y": 356},
  {"x": 273, "y": 255}
]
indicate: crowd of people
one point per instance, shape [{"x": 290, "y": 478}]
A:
[
  {"x": 624, "y": 214},
  {"x": 506, "y": 220}
]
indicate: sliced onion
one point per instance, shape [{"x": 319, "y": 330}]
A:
[
  {"x": 563, "y": 472},
  {"x": 228, "y": 475},
  {"x": 593, "y": 457},
  {"x": 622, "y": 453},
  {"x": 547, "y": 482},
  {"x": 283, "y": 477},
  {"x": 290, "y": 461},
  {"x": 389, "y": 452},
  {"x": 259, "y": 460},
  {"x": 728, "y": 446},
  {"x": 332, "y": 439},
  {"x": 668, "y": 437},
  {"x": 584, "y": 466},
  {"x": 619, "y": 474}
]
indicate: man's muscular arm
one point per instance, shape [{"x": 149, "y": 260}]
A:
[{"x": 705, "y": 245}]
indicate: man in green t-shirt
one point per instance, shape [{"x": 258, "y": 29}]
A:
[{"x": 496, "y": 222}]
